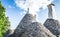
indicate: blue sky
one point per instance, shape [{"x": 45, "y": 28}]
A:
[{"x": 15, "y": 14}]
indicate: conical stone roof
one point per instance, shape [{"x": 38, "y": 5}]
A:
[
  {"x": 21, "y": 28},
  {"x": 53, "y": 25},
  {"x": 36, "y": 29}
]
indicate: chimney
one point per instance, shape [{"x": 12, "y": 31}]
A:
[
  {"x": 51, "y": 11},
  {"x": 34, "y": 20}
]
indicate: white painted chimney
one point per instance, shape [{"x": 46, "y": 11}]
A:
[{"x": 51, "y": 11}]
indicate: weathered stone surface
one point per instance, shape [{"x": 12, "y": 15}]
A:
[
  {"x": 27, "y": 28},
  {"x": 53, "y": 26},
  {"x": 21, "y": 28},
  {"x": 37, "y": 30}
]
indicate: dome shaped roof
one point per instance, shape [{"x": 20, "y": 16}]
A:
[
  {"x": 26, "y": 20},
  {"x": 53, "y": 26},
  {"x": 35, "y": 29}
]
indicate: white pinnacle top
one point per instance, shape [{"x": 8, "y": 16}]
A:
[{"x": 51, "y": 11}]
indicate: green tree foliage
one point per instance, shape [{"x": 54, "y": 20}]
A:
[
  {"x": 4, "y": 23},
  {"x": 6, "y": 26}
]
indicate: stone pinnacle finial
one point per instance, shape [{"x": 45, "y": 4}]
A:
[
  {"x": 28, "y": 11},
  {"x": 51, "y": 11},
  {"x": 52, "y": 4}
]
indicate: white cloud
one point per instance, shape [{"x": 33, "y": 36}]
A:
[
  {"x": 11, "y": 6},
  {"x": 33, "y": 5}
]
